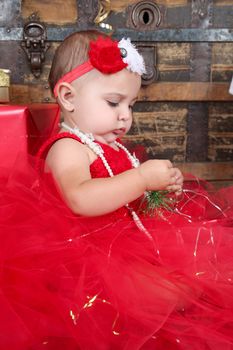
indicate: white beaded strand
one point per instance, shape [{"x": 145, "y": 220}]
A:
[
  {"x": 134, "y": 161},
  {"x": 89, "y": 140}
]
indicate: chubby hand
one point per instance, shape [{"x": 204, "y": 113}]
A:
[
  {"x": 161, "y": 175},
  {"x": 177, "y": 182}
]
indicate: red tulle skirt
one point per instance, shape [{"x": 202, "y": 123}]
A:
[{"x": 70, "y": 282}]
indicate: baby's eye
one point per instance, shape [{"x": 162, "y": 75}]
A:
[{"x": 113, "y": 104}]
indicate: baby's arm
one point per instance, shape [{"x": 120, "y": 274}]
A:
[{"x": 69, "y": 162}]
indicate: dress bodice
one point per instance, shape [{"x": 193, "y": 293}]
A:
[{"x": 117, "y": 159}]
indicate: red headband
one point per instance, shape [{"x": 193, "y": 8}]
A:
[{"x": 104, "y": 55}]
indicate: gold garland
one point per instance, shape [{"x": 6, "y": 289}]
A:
[
  {"x": 104, "y": 10},
  {"x": 4, "y": 77}
]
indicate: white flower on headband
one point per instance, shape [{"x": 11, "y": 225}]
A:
[{"x": 132, "y": 57}]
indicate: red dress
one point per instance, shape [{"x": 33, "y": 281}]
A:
[{"x": 70, "y": 282}]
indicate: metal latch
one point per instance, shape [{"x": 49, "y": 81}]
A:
[{"x": 35, "y": 45}]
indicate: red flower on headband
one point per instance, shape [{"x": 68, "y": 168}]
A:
[{"x": 105, "y": 55}]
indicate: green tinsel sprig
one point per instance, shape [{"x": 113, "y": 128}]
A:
[{"x": 156, "y": 200}]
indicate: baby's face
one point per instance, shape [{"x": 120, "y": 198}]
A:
[{"x": 103, "y": 103}]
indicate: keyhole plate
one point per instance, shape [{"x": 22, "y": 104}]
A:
[{"x": 146, "y": 15}]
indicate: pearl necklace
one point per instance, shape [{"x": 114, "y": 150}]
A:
[{"x": 88, "y": 139}]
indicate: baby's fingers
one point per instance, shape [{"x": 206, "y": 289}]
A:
[
  {"x": 179, "y": 192},
  {"x": 179, "y": 180},
  {"x": 178, "y": 177},
  {"x": 174, "y": 188}
]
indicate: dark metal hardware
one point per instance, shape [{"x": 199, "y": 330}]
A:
[
  {"x": 149, "y": 55},
  {"x": 202, "y": 13},
  {"x": 87, "y": 13},
  {"x": 145, "y": 15},
  {"x": 200, "y": 8},
  {"x": 58, "y": 33},
  {"x": 35, "y": 45},
  {"x": 197, "y": 132},
  {"x": 197, "y": 120}
]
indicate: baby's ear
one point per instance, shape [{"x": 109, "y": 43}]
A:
[{"x": 65, "y": 95}]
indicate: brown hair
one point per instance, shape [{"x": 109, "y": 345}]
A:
[{"x": 72, "y": 52}]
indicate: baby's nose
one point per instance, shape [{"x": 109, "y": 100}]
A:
[{"x": 125, "y": 114}]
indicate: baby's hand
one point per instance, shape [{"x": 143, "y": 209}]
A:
[
  {"x": 177, "y": 183},
  {"x": 160, "y": 175}
]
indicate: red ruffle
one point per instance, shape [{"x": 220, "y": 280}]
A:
[{"x": 70, "y": 282}]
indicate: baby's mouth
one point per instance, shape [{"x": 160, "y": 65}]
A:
[{"x": 119, "y": 132}]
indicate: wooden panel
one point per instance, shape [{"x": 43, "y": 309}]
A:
[
  {"x": 209, "y": 171},
  {"x": 60, "y": 13},
  {"x": 173, "y": 61},
  {"x": 120, "y": 5},
  {"x": 156, "y": 92},
  {"x": 159, "y": 146},
  {"x": 223, "y": 2},
  {"x": 186, "y": 92},
  {"x": 160, "y": 133},
  {"x": 222, "y": 62},
  {"x": 24, "y": 94},
  {"x": 220, "y": 132}
]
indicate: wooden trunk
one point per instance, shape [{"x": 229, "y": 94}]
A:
[{"x": 185, "y": 111}]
